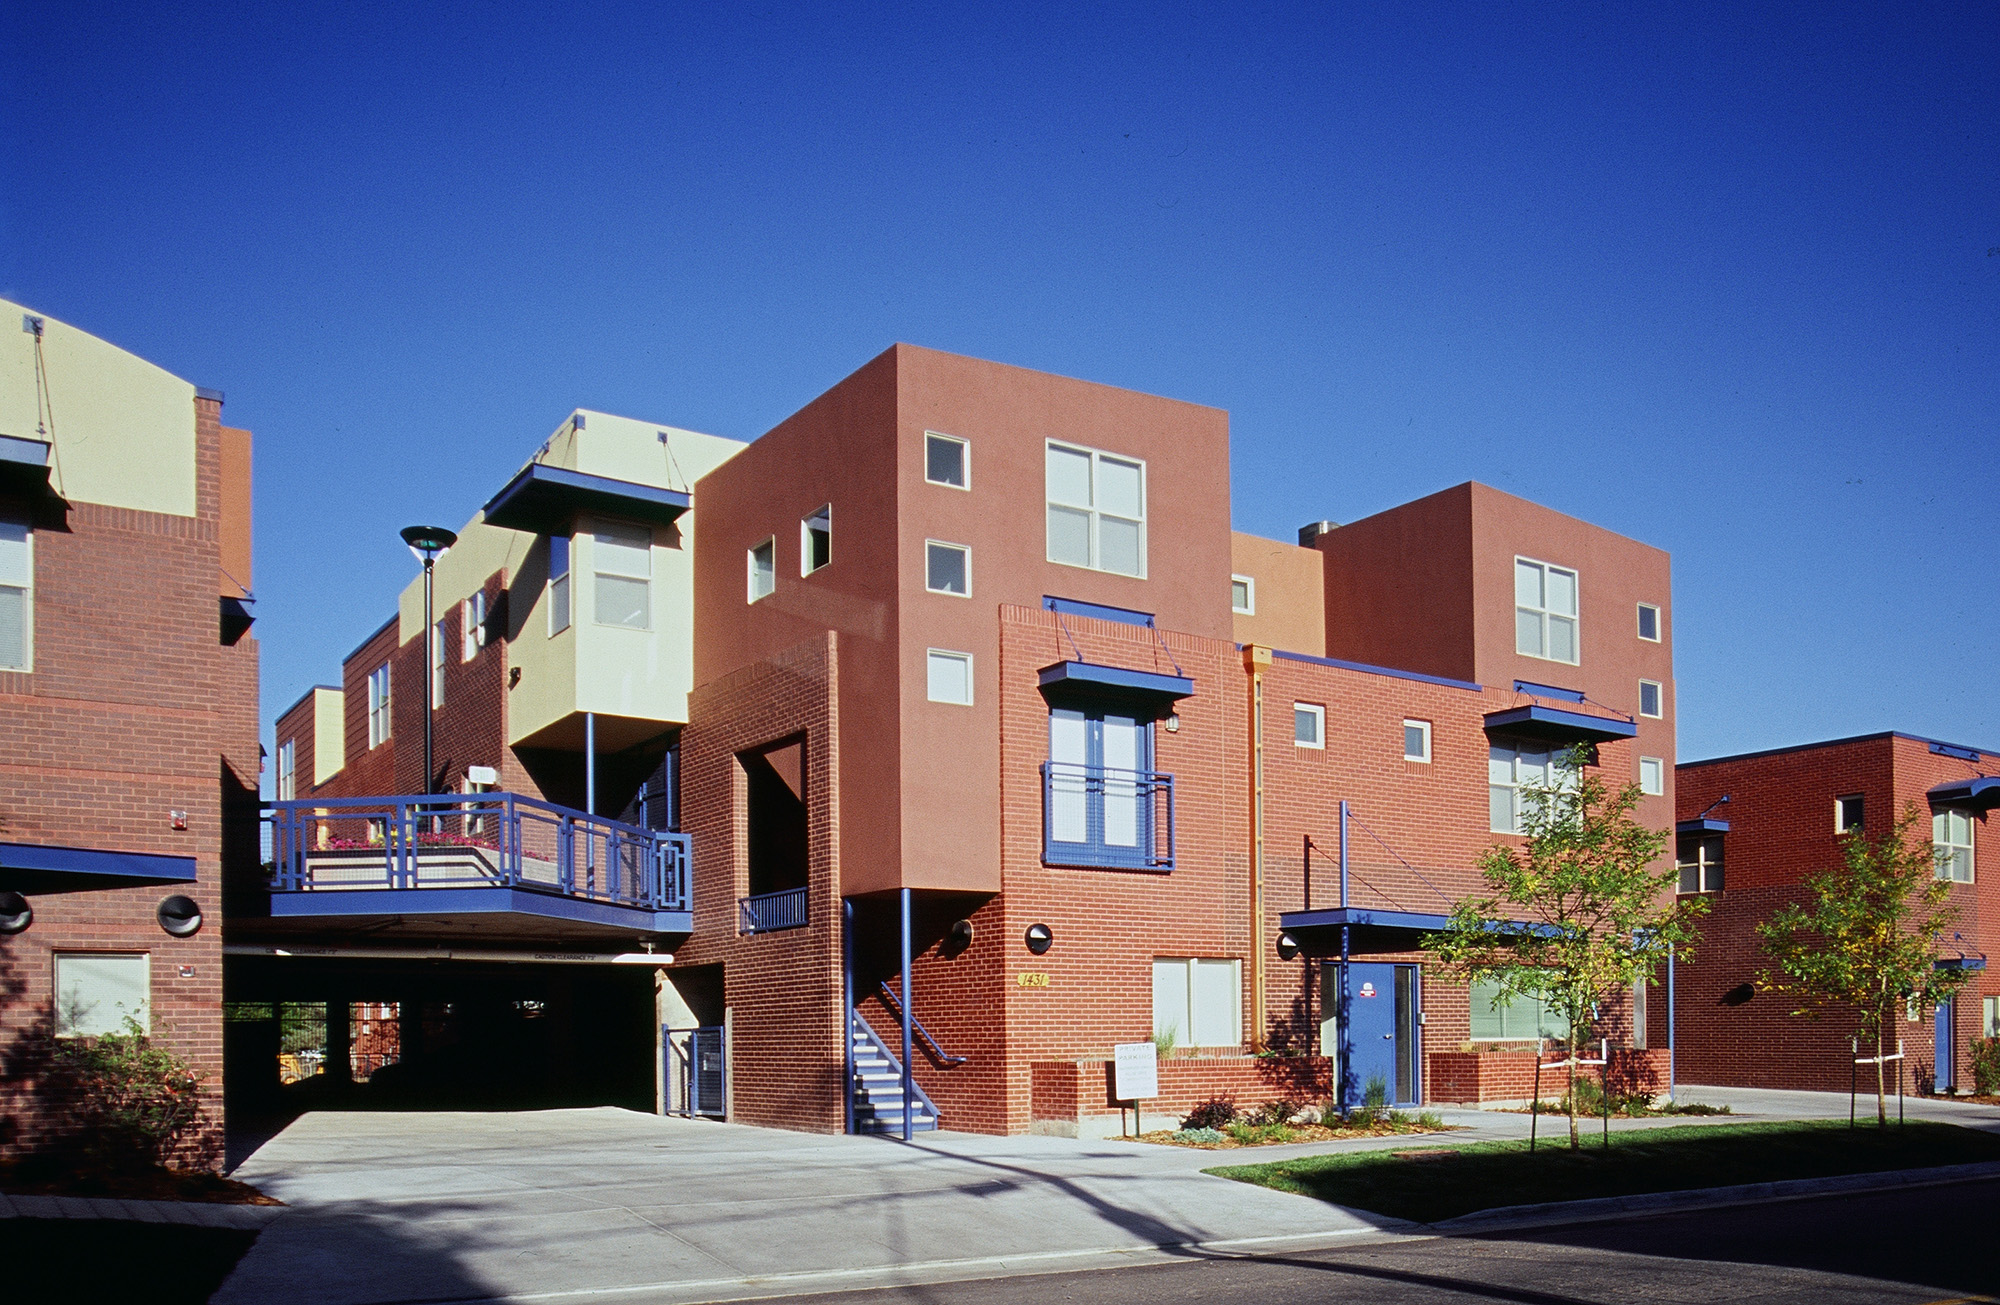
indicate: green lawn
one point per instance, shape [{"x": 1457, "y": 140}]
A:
[{"x": 1432, "y": 1183}]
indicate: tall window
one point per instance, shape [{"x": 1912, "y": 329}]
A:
[
  {"x": 1243, "y": 595},
  {"x": 287, "y": 770},
  {"x": 1523, "y": 1019},
  {"x": 947, "y": 568},
  {"x": 763, "y": 563},
  {"x": 1652, "y": 776},
  {"x": 1544, "y": 611},
  {"x": 945, "y": 461},
  {"x": 1097, "y": 510},
  {"x": 1416, "y": 740},
  {"x": 437, "y": 646},
  {"x": 472, "y": 626},
  {"x": 378, "y": 705},
  {"x": 1099, "y": 795},
  {"x": 1700, "y": 863},
  {"x": 1649, "y": 623},
  {"x": 1951, "y": 838},
  {"x": 1512, "y": 769},
  {"x": 621, "y": 563},
  {"x": 17, "y": 596},
  {"x": 1199, "y": 1001},
  {"x": 558, "y": 584},
  {"x": 816, "y": 540},
  {"x": 1649, "y": 698}
]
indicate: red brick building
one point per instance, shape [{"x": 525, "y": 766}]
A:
[
  {"x": 1753, "y": 827},
  {"x": 128, "y": 699}
]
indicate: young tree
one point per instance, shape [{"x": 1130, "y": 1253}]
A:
[
  {"x": 1579, "y": 912},
  {"x": 1869, "y": 940}
]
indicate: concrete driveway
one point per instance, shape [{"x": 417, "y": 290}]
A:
[{"x": 611, "y": 1205}]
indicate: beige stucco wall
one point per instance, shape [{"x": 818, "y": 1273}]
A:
[
  {"x": 1289, "y": 594},
  {"x": 329, "y": 733},
  {"x": 123, "y": 429}
]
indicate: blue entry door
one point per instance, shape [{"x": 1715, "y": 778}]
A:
[
  {"x": 1946, "y": 1046},
  {"x": 1096, "y": 813},
  {"x": 1384, "y": 1011}
]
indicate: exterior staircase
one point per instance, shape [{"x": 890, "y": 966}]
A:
[{"x": 877, "y": 1086}]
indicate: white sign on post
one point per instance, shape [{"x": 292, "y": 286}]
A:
[{"x": 1135, "y": 1071}]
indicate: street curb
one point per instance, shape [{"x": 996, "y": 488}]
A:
[
  {"x": 193, "y": 1214},
  {"x": 1507, "y": 1217}
]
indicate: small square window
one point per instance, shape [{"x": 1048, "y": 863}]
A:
[
  {"x": 1847, "y": 813},
  {"x": 1416, "y": 740},
  {"x": 1649, "y": 622},
  {"x": 1649, "y": 698},
  {"x": 1309, "y": 725},
  {"x": 1242, "y": 595},
  {"x": 816, "y": 540},
  {"x": 1652, "y": 776},
  {"x": 946, "y": 461},
  {"x": 763, "y": 569},
  {"x": 96, "y": 992},
  {"x": 947, "y": 568},
  {"x": 950, "y": 676}
]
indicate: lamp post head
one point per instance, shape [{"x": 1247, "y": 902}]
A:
[{"x": 428, "y": 541}]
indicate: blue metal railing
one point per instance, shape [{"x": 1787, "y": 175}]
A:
[
  {"x": 767, "y": 912},
  {"x": 1100, "y": 817},
  {"x": 923, "y": 1036},
  {"x": 858, "y": 1027},
  {"x": 482, "y": 840}
]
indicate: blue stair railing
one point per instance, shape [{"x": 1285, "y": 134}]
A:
[
  {"x": 923, "y": 1035},
  {"x": 869, "y": 1115}
]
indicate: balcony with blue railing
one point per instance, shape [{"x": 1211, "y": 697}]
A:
[
  {"x": 770, "y": 912},
  {"x": 1105, "y": 818},
  {"x": 489, "y": 862}
]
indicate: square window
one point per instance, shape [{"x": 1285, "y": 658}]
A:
[
  {"x": 947, "y": 568},
  {"x": 1199, "y": 1001},
  {"x": 1416, "y": 740},
  {"x": 1545, "y": 611},
  {"x": 1652, "y": 776},
  {"x": 1700, "y": 863},
  {"x": 816, "y": 540},
  {"x": 1649, "y": 622},
  {"x": 1242, "y": 595},
  {"x": 97, "y": 991},
  {"x": 1308, "y": 725},
  {"x": 950, "y": 676},
  {"x": 1096, "y": 510},
  {"x": 763, "y": 560},
  {"x": 1649, "y": 698},
  {"x": 1847, "y": 813},
  {"x": 946, "y": 461},
  {"x": 621, "y": 574}
]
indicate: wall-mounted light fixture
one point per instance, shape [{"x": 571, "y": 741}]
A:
[{"x": 1039, "y": 938}]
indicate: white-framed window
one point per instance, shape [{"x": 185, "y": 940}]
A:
[
  {"x": 97, "y": 991},
  {"x": 949, "y": 676},
  {"x": 1848, "y": 813},
  {"x": 287, "y": 771},
  {"x": 1545, "y": 611},
  {"x": 1308, "y": 725},
  {"x": 763, "y": 564},
  {"x": 17, "y": 596},
  {"x": 816, "y": 540},
  {"x": 1417, "y": 740},
  {"x": 1951, "y": 838},
  {"x": 1198, "y": 1000},
  {"x": 1522, "y": 1019},
  {"x": 1649, "y": 623},
  {"x": 1989, "y": 1017},
  {"x": 1096, "y": 510},
  {"x": 1652, "y": 776},
  {"x": 1699, "y": 861},
  {"x": 621, "y": 575},
  {"x": 1652, "y": 700},
  {"x": 947, "y": 568},
  {"x": 436, "y": 651},
  {"x": 1243, "y": 595},
  {"x": 947, "y": 460},
  {"x": 1514, "y": 767},
  {"x": 472, "y": 626},
  {"x": 378, "y": 705},
  {"x": 558, "y": 584}
]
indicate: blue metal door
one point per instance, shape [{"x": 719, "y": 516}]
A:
[
  {"x": 1946, "y": 1046},
  {"x": 1371, "y": 1052}
]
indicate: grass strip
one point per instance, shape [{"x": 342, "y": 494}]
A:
[{"x": 1427, "y": 1184}]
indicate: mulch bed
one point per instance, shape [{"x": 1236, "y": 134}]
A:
[
  {"x": 1300, "y": 1133},
  {"x": 32, "y": 1178}
]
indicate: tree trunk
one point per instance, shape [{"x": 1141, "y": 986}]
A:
[
  {"x": 1881, "y": 1092},
  {"x": 1575, "y": 1143}
]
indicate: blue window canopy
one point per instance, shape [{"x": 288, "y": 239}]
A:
[
  {"x": 545, "y": 500},
  {"x": 37, "y": 868},
  {"x": 1096, "y": 611},
  {"x": 1959, "y": 963},
  {"x": 1702, "y": 825},
  {"x": 1088, "y": 680},
  {"x": 1370, "y": 930},
  {"x": 1981, "y": 793},
  {"x": 24, "y": 467},
  {"x": 1557, "y": 725}
]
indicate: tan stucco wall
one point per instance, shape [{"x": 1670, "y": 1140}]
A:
[
  {"x": 1288, "y": 597},
  {"x": 329, "y": 734}
]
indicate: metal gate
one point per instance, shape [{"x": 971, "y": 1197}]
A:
[{"x": 696, "y": 1069}]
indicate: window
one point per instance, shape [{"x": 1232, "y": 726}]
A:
[
  {"x": 816, "y": 540},
  {"x": 763, "y": 569},
  {"x": 1521, "y": 1019},
  {"x": 472, "y": 626},
  {"x": 437, "y": 646},
  {"x": 1951, "y": 835},
  {"x": 287, "y": 751},
  {"x": 1197, "y": 1000},
  {"x": 621, "y": 564},
  {"x": 1416, "y": 740},
  {"x": 1097, "y": 510},
  {"x": 1989, "y": 1017},
  {"x": 17, "y": 596},
  {"x": 558, "y": 584},
  {"x": 947, "y": 568},
  {"x": 1652, "y": 776},
  {"x": 1847, "y": 813},
  {"x": 96, "y": 992},
  {"x": 946, "y": 461},
  {"x": 1699, "y": 861},
  {"x": 1544, "y": 611},
  {"x": 1649, "y": 622},
  {"x": 1243, "y": 595},
  {"x": 1308, "y": 725},
  {"x": 378, "y": 705},
  {"x": 1099, "y": 791},
  {"x": 950, "y": 676},
  {"x": 1649, "y": 699},
  {"x": 1513, "y": 768}
]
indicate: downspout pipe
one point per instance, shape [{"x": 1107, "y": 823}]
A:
[
  {"x": 1342, "y": 1056},
  {"x": 1255, "y": 658}
]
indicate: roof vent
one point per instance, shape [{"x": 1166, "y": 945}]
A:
[{"x": 1309, "y": 535}]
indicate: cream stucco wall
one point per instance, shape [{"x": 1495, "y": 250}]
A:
[
  {"x": 329, "y": 733},
  {"x": 123, "y": 428}
]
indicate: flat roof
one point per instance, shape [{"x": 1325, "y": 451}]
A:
[{"x": 1835, "y": 743}]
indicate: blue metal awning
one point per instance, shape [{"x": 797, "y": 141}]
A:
[
  {"x": 1370, "y": 929},
  {"x": 1555, "y": 725},
  {"x": 1114, "y": 680},
  {"x": 24, "y": 465},
  {"x": 545, "y": 500},
  {"x": 1959, "y": 963},
  {"x": 1981, "y": 793},
  {"x": 1702, "y": 825},
  {"x": 38, "y": 868}
]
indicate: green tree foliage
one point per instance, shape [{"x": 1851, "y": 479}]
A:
[
  {"x": 1578, "y": 913},
  {"x": 1868, "y": 940},
  {"x": 123, "y": 1102}
]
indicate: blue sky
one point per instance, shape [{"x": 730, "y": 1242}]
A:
[{"x": 1724, "y": 279}]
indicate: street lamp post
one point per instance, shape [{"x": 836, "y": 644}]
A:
[{"x": 428, "y": 542}]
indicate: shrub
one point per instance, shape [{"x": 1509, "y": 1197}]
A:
[
  {"x": 1166, "y": 1040},
  {"x": 1986, "y": 1066},
  {"x": 125, "y": 1102},
  {"x": 1207, "y": 1136},
  {"x": 1215, "y": 1112},
  {"x": 1257, "y": 1134},
  {"x": 1430, "y": 1119}
]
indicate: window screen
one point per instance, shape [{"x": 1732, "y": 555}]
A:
[
  {"x": 622, "y": 566},
  {"x": 97, "y": 991},
  {"x": 1521, "y": 1020}
]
